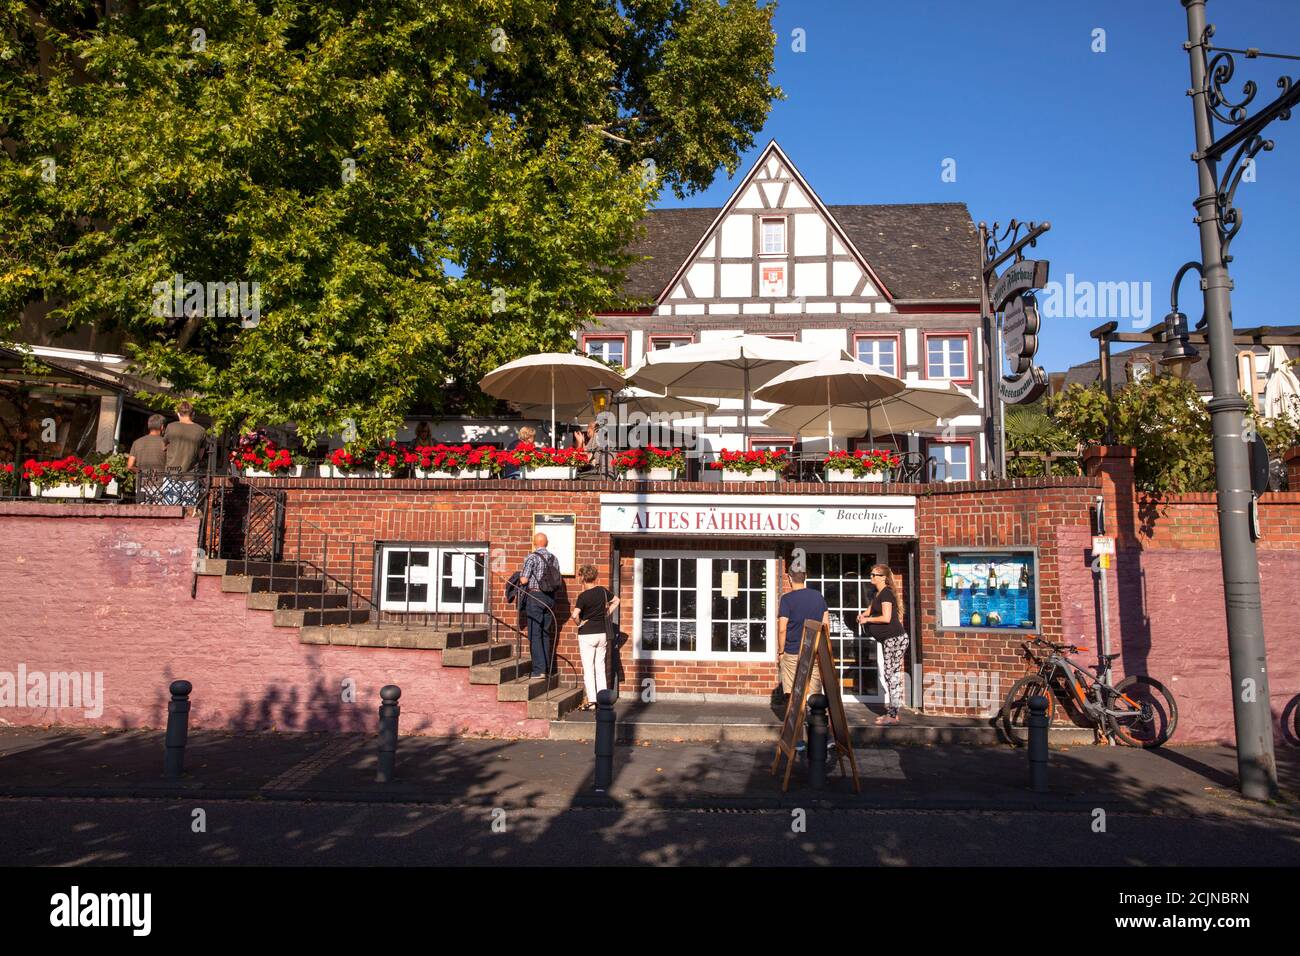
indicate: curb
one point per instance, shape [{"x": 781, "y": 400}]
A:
[{"x": 1009, "y": 803}]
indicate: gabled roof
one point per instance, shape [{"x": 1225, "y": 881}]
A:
[{"x": 919, "y": 251}]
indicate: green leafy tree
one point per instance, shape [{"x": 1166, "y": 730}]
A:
[
  {"x": 414, "y": 191},
  {"x": 1161, "y": 416}
]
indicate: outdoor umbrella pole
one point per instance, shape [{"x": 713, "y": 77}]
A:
[
  {"x": 553, "y": 442},
  {"x": 746, "y": 409}
]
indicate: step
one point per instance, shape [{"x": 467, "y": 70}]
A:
[
  {"x": 477, "y": 654},
  {"x": 527, "y": 688},
  {"x": 266, "y": 569},
  {"x": 286, "y": 600},
  {"x": 211, "y": 566},
  {"x": 466, "y": 637},
  {"x": 500, "y": 672},
  {"x": 301, "y": 585},
  {"x": 296, "y": 618},
  {"x": 371, "y": 635},
  {"x": 556, "y": 703}
]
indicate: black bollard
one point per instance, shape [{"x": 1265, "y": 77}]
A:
[
  {"x": 818, "y": 728},
  {"x": 1037, "y": 723},
  {"x": 389, "y": 711},
  {"x": 604, "y": 740},
  {"x": 178, "y": 724}
]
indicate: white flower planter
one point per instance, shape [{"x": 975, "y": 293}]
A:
[
  {"x": 652, "y": 474},
  {"x": 836, "y": 474},
  {"x": 67, "y": 491},
  {"x": 293, "y": 471},
  {"x": 766, "y": 474},
  {"x": 329, "y": 471},
  {"x": 465, "y": 473},
  {"x": 553, "y": 472}
]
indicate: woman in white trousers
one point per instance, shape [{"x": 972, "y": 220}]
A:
[{"x": 591, "y": 612}]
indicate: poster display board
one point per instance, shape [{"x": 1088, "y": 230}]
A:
[
  {"x": 988, "y": 590},
  {"x": 561, "y": 532},
  {"x": 814, "y": 651}
]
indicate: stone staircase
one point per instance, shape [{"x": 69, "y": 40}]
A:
[{"x": 298, "y": 597}]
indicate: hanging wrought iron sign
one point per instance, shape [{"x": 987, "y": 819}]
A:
[{"x": 1013, "y": 296}]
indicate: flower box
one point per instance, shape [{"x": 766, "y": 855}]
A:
[
  {"x": 66, "y": 491},
  {"x": 463, "y": 473},
  {"x": 332, "y": 471},
  {"x": 552, "y": 472},
  {"x": 844, "y": 474},
  {"x": 764, "y": 474},
  {"x": 650, "y": 474},
  {"x": 293, "y": 471}
]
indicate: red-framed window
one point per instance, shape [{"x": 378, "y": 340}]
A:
[
  {"x": 772, "y": 236},
  {"x": 668, "y": 341},
  {"x": 954, "y": 458},
  {"x": 883, "y": 351},
  {"x": 611, "y": 348},
  {"x": 947, "y": 355}
]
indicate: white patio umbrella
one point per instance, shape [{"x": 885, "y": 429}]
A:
[
  {"x": 1282, "y": 390},
  {"x": 550, "y": 378},
  {"x": 724, "y": 368},
  {"x": 838, "y": 381},
  {"x": 634, "y": 400},
  {"x": 918, "y": 407}
]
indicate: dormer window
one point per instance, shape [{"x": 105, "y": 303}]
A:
[{"x": 773, "y": 236}]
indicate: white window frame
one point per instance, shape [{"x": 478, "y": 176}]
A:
[
  {"x": 947, "y": 357},
  {"x": 764, "y": 222},
  {"x": 435, "y": 605},
  {"x": 704, "y": 607},
  {"x": 604, "y": 340},
  {"x": 891, "y": 339},
  {"x": 945, "y": 464}
]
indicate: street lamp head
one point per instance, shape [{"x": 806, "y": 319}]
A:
[
  {"x": 1179, "y": 355},
  {"x": 601, "y": 398}
]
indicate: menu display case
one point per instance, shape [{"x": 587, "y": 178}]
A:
[{"x": 987, "y": 590}]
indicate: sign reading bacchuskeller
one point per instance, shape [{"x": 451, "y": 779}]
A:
[{"x": 788, "y": 516}]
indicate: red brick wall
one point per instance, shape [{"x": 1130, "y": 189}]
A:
[{"x": 112, "y": 594}]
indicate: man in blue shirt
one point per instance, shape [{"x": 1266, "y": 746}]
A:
[{"x": 801, "y": 603}]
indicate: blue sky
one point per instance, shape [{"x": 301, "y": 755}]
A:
[{"x": 1041, "y": 128}]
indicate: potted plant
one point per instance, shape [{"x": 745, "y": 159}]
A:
[
  {"x": 262, "y": 458},
  {"x": 345, "y": 463},
  {"x": 450, "y": 461},
  {"x": 68, "y": 477},
  {"x": 385, "y": 462},
  {"x": 751, "y": 465},
  {"x": 540, "y": 462},
  {"x": 865, "y": 464},
  {"x": 650, "y": 463}
]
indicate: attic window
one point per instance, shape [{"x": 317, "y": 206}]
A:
[{"x": 773, "y": 237}]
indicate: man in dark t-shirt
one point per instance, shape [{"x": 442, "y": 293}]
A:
[
  {"x": 801, "y": 603},
  {"x": 184, "y": 439},
  {"x": 149, "y": 452}
]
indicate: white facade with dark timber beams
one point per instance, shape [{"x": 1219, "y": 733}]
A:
[{"x": 895, "y": 285}]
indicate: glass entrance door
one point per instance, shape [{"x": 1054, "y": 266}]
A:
[{"x": 843, "y": 579}]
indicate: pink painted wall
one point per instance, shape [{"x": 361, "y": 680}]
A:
[
  {"x": 1167, "y": 617},
  {"x": 113, "y": 595}
]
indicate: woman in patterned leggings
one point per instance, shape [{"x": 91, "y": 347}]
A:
[{"x": 884, "y": 620}]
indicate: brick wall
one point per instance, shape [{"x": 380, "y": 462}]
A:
[
  {"x": 112, "y": 594},
  {"x": 117, "y": 592}
]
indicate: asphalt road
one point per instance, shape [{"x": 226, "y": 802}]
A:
[{"x": 134, "y": 832}]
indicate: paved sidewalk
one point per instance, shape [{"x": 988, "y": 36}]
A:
[{"x": 559, "y": 774}]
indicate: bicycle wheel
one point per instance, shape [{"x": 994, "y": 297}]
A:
[
  {"x": 1015, "y": 710},
  {"x": 1152, "y": 713}
]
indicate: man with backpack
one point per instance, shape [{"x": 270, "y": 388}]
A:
[{"x": 541, "y": 578}]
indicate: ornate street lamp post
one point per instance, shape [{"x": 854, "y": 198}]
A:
[{"x": 1219, "y": 221}]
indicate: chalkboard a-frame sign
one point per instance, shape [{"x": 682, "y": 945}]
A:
[{"x": 814, "y": 651}]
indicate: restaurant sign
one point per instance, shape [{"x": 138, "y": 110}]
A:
[{"x": 785, "y": 516}]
